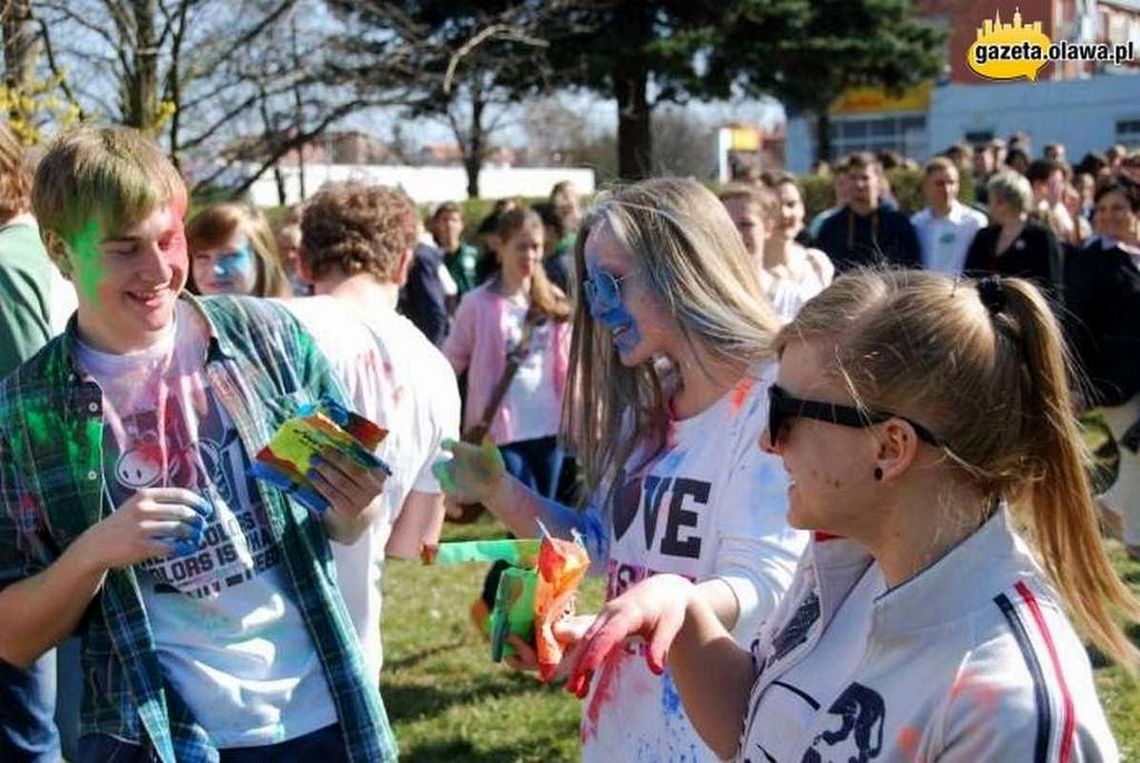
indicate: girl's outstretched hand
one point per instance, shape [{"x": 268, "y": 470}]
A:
[
  {"x": 567, "y": 630},
  {"x": 473, "y": 473},
  {"x": 654, "y": 610}
]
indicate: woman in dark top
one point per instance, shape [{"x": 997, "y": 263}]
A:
[
  {"x": 1014, "y": 246},
  {"x": 1104, "y": 331}
]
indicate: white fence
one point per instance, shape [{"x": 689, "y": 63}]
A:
[{"x": 424, "y": 184}]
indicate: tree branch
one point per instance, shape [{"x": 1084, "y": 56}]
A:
[
  {"x": 56, "y": 73},
  {"x": 296, "y": 141}
]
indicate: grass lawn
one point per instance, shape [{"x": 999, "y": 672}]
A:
[{"x": 449, "y": 702}]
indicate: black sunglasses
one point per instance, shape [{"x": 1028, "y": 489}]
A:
[{"x": 782, "y": 408}]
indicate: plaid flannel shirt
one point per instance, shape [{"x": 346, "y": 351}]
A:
[{"x": 261, "y": 364}]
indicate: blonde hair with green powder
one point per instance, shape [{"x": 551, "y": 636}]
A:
[{"x": 100, "y": 179}]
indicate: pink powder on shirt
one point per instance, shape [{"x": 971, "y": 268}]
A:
[
  {"x": 603, "y": 692},
  {"x": 740, "y": 393}
]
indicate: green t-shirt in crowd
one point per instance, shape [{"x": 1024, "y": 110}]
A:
[
  {"x": 25, "y": 295},
  {"x": 461, "y": 265}
]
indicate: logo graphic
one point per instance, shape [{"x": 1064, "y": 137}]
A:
[
  {"x": 859, "y": 736},
  {"x": 1015, "y": 50},
  {"x": 1008, "y": 51}
]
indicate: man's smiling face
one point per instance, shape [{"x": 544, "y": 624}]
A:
[{"x": 128, "y": 280}]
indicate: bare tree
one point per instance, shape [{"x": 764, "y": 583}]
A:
[
  {"x": 464, "y": 63},
  {"x": 205, "y": 75},
  {"x": 21, "y": 44},
  {"x": 683, "y": 144},
  {"x": 558, "y": 132}
]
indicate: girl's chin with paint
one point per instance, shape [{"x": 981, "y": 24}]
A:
[
  {"x": 623, "y": 331},
  {"x": 626, "y": 339}
]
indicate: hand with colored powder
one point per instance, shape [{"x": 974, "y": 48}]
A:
[
  {"x": 350, "y": 487},
  {"x": 154, "y": 522},
  {"x": 474, "y": 473},
  {"x": 654, "y": 610},
  {"x": 567, "y": 630}
]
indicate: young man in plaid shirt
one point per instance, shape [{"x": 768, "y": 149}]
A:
[{"x": 211, "y": 625}]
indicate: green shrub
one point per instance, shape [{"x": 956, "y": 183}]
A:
[
  {"x": 906, "y": 185},
  {"x": 818, "y": 194}
]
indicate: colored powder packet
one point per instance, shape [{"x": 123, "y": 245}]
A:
[
  {"x": 537, "y": 587},
  {"x": 285, "y": 462},
  {"x": 513, "y": 611},
  {"x": 561, "y": 566}
]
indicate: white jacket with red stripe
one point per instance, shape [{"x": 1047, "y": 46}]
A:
[{"x": 971, "y": 660}]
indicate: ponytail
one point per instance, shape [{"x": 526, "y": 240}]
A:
[
  {"x": 1063, "y": 517},
  {"x": 984, "y": 365}
]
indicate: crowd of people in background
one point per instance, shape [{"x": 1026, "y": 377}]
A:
[
  {"x": 1071, "y": 230},
  {"x": 630, "y": 373}
]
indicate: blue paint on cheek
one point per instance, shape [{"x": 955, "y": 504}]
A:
[
  {"x": 606, "y": 306},
  {"x": 615, "y": 319},
  {"x": 236, "y": 264}
]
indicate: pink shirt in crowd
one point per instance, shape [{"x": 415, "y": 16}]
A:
[{"x": 480, "y": 336}]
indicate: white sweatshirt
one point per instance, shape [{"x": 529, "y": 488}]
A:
[{"x": 971, "y": 660}]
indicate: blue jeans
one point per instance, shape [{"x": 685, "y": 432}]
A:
[
  {"x": 323, "y": 745},
  {"x": 68, "y": 695},
  {"x": 535, "y": 463},
  {"x": 27, "y": 706}
]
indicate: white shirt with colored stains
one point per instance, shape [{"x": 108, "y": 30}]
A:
[
  {"x": 399, "y": 380},
  {"x": 710, "y": 505},
  {"x": 229, "y": 637}
]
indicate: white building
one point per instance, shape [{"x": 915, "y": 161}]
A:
[{"x": 1084, "y": 114}]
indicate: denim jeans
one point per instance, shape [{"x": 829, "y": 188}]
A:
[
  {"x": 27, "y": 707},
  {"x": 68, "y": 695},
  {"x": 535, "y": 463}
]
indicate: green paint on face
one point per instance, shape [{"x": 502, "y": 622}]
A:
[{"x": 87, "y": 261}]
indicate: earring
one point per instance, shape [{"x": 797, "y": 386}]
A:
[{"x": 878, "y": 472}]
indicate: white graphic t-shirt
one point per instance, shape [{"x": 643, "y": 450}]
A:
[
  {"x": 398, "y": 379},
  {"x": 229, "y": 638},
  {"x": 790, "y": 705},
  {"x": 532, "y": 399},
  {"x": 712, "y": 504}
]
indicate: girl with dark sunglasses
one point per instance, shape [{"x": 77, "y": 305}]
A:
[
  {"x": 923, "y": 422},
  {"x": 669, "y": 371}
]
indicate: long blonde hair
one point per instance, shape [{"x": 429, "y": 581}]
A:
[
  {"x": 993, "y": 383},
  {"x": 693, "y": 261}
]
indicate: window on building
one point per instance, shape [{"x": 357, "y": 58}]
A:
[
  {"x": 1128, "y": 132},
  {"x": 905, "y": 133}
]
